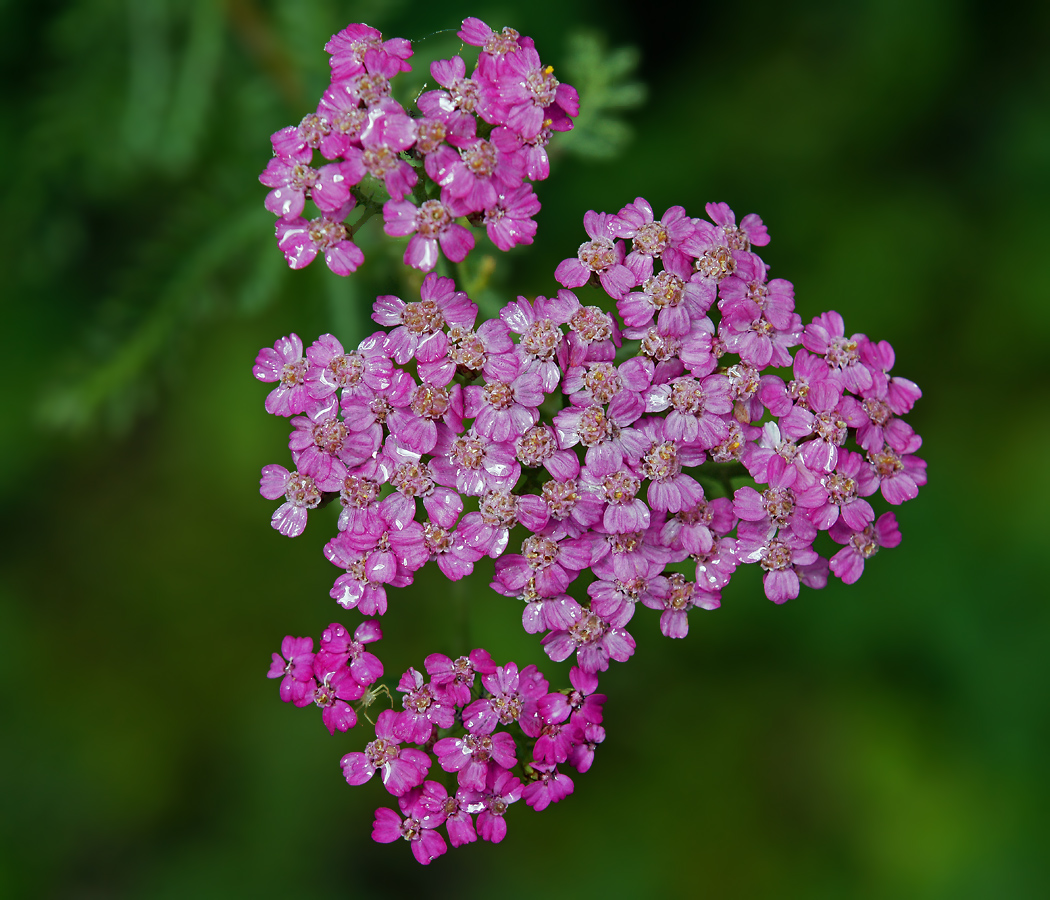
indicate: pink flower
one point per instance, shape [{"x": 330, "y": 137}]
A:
[
  {"x": 284, "y": 364},
  {"x": 672, "y": 239},
  {"x": 427, "y": 844},
  {"x": 431, "y": 226},
  {"x": 339, "y": 648},
  {"x": 456, "y": 677},
  {"x": 335, "y": 687},
  {"x": 419, "y": 325},
  {"x": 551, "y": 787},
  {"x": 470, "y": 756},
  {"x": 359, "y": 46},
  {"x": 400, "y": 769},
  {"x": 681, "y": 596},
  {"x": 826, "y": 336},
  {"x": 509, "y": 221},
  {"x": 300, "y": 493},
  {"x": 301, "y": 240},
  {"x": 602, "y": 256},
  {"x": 294, "y": 665},
  {"x": 862, "y": 545},
  {"x": 425, "y": 710}
]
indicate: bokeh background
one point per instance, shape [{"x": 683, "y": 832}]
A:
[{"x": 884, "y": 740}]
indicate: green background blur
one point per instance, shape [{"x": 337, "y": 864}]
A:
[{"x": 885, "y": 740}]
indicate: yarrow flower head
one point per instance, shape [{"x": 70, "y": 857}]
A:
[{"x": 594, "y": 444}]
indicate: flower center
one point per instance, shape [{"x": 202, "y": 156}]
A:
[
  {"x": 329, "y": 436},
  {"x": 877, "y": 411},
  {"x": 687, "y": 396},
  {"x": 350, "y": 122},
  {"x": 413, "y": 480},
  {"x": 358, "y": 492},
  {"x": 842, "y": 352},
  {"x": 831, "y": 428},
  {"x": 841, "y": 488},
  {"x": 886, "y": 463},
  {"x": 603, "y": 381},
  {"x": 864, "y": 543},
  {"x": 505, "y": 41},
  {"x": 499, "y": 508},
  {"x": 535, "y": 445},
  {"x": 313, "y": 128},
  {"x": 481, "y": 159},
  {"x": 731, "y": 447},
  {"x": 681, "y": 594},
  {"x": 598, "y": 255},
  {"x": 743, "y": 380},
  {"x": 542, "y": 85},
  {"x": 735, "y": 238},
  {"x": 620, "y": 487},
  {"x": 542, "y": 339},
  {"x": 293, "y": 373},
  {"x": 776, "y": 556},
  {"x": 664, "y": 289},
  {"x": 499, "y": 395},
  {"x": 432, "y": 218},
  {"x": 347, "y": 369},
  {"x": 371, "y": 87},
  {"x": 657, "y": 346},
  {"x": 591, "y": 324},
  {"x": 464, "y": 93},
  {"x": 430, "y": 134},
  {"x": 381, "y": 751},
  {"x": 661, "y": 462},
  {"x": 594, "y": 427},
  {"x": 326, "y": 233},
  {"x": 561, "y": 498},
  {"x": 469, "y": 452},
  {"x": 779, "y": 504},
  {"x": 539, "y": 551},
  {"x": 429, "y": 401},
  {"x": 651, "y": 239},
  {"x": 716, "y": 263},
  {"x": 380, "y": 161},
  {"x": 301, "y": 491},
  {"x": 424, "y": 317},
  {"x": 465, "y": 348}
]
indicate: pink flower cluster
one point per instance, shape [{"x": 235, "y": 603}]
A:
[
  {"x": 469, "y": 150},
  {"x": 610, "y": 479},
  {"x": 605, "y": 445},
  {"x": 470, "y": 716}
]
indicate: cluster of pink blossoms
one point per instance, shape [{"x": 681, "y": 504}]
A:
[
  {"x": 469, "y": 150},
  {"x": 598, "y": 436},
  {"x": 484, "y": 720},
  {"x": 599, "y": 443}
]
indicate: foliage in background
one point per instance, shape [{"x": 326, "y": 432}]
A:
[{"x": 161, "y": 110}]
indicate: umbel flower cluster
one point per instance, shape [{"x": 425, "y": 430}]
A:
[
  {"x": 591, "y": 451},
  {"x": 477, "y": 141}
]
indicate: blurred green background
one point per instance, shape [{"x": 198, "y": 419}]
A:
[{"x": 884, "y": 740}]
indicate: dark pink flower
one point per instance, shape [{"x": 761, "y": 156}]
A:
[
  {"x": 861, "y": 545},
  {"x": 294, "y": 665},
  {"x": 284, "y": 363},
  {"x": 301, "y": 240},
  {"x": 300, "y": 493},
  {"x": 424, "y": 710},
  {"x": 470, "y": 756},
  {"x": 400, "y": 769},
  {"x": 427, "y": 844},
  {"x": 602, "y": 256},
  {"x": 359, "y": 46},
  {"x": 550, "y": 787},
  {"x": 431, "y": 226}
]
